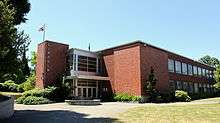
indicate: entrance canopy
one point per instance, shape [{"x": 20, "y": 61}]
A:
[{"x": 89, "y": 77}]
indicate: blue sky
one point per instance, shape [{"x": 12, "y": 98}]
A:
[{"x": 187, "y": 27}]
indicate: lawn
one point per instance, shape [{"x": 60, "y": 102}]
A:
[{"x": 187, "y": 113}]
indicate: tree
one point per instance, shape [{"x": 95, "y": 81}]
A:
[
  {"x": 217, "y": 78},
  {"x": 151, "y": 86},
  {"x": 212, "y": 61},
  {"x": 22, "y": 7},
  {"x": 8, "y": 54},
  {"x": 13, "y": 46},
  {"x": 33, "y": 60}
]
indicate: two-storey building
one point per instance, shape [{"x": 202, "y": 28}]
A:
[{"x": 120, "y": 69}]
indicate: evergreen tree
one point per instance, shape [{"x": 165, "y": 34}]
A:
[{"x": 151, "y": 86}]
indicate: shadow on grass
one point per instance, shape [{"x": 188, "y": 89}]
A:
[{"x": 55, "y": 116}]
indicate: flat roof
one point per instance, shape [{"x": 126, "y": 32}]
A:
[
  {"x": 147, "y": 44},
  {"x": 129, "y": 44},
  {"x": 55, "y": 42}
]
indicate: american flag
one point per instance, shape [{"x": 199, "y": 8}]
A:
[{"x": 41, "y": 29}]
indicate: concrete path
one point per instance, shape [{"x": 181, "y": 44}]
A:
[{"x": 64, "y": 113}]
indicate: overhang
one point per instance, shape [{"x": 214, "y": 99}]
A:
[{"x": 88, "y": 77}]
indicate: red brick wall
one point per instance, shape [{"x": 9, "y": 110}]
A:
[
  {"x": 123, "y": 68},
  {"x": 40, "y": 65},
  {"x": 52, "y": 64},
  {"x": 157, "y": 59}
]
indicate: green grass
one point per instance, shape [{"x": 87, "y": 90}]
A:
[
  {"x": 216, "y": 99},
  {"x": 15, "y": 94},
  {"x": 187, "y": 113}
]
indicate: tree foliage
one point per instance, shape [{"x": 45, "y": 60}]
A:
[
  {"x": 22, "y": 7},
  {"x": 8, "y": 54},
  {"x": 33, "y": 60},
  {"x": 13, "y": 45},
  {"x": 212, "y": 61},
  {"x": 151, "y": 86},
  {"x": 217, "y": 78}
]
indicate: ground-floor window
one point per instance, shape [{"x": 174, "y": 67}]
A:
[{"x": 192, "y": 87}]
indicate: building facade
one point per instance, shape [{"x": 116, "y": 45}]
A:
[{"x": 120, "y": 69}]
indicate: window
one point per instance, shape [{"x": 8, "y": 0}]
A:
[
  {"x": 70, "y": 60},
  {"x": 195, "y": 71},
  {"x": 207, "y": 73},
  {"x": 178, "y": 66},
  {"x": 92, "y": 64},
  {"x": 190, "y": 69},
  {"x": 184, "y": 68},
  {"x": 196, "y": 88},
  {"x": 185, "y": 86},
  {"x": 200, "y": 88},
  {"x": 178, "y": 85},
  {"x": 205, "y": 87},
  {"x": 87, "y": 64},
  {"x": 203, "y": 72},
  {"x": 171, "y": 65},
  {"x": 210, "y": 73},
  {"x": 191, "y": 88},
  {"x": 82, "y": 63},
  {"x": 172, "y": 85},
  {"x": 199, "y": 71}
]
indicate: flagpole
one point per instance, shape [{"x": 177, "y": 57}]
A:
[{"x": 44, "y": 32}]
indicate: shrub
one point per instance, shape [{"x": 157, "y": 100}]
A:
[
  {"x": 10, "y": 86},
  {"x": 182, "y": 96},
  {"x": 125, "y": 97},
  {"x": 35, "y": 92},
  {"x": 20, "y": 100},
  {"x": 29, "y": 84},
  {"x": 32, "y": 97},
  {"x": 33, "y": 100}
]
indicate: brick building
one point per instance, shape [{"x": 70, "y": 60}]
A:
[{"x": 120, "y": 69}]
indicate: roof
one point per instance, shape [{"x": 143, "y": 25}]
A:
[
  {"x": 146, "y": 44},
  {"x": 47, "y": 41}
]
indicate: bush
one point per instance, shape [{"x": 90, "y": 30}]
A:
[
  {"x": 29, "y": 84},
  {"x": 125, "y": 97},
  {"x": 10, "y": 86},
  {"x": 182, "y": 96},
  {"x": 33, "y": 100},
  {"x": 32, "y": 97},
  {"x": 20, "y": 100}
]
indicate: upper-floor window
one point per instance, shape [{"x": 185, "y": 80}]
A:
[
  {"x": 184, "y": 68},
  {"x": 87, "y": 63},
  {"x": 203, "y": 72},
  {"x": 195, "y": 70},
  {"x": 171, "y": 65},
  {"x": 211, "y": 74},
  {"x": 199, "y": 71},
  {"x": 207, "y": 73},
  {"x": 70, "y": 60},
  {"x": 178, "y": 66},
  {"x": 190, "y": 69}
]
